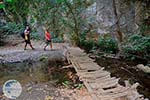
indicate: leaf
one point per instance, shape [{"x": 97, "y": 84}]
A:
[
  {"x": 2, "y": 5},
  {"x": 66, "y": 83},
  {"x": 9, "y": 0}
]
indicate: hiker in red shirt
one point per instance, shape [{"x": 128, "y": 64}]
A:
[{"x": 48, "y": 39}]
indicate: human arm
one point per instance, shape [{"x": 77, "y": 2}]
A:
[{"x": 26, "y": 34}]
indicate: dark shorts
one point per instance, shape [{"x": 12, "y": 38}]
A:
[
  {"x": 28, "y": 41},
  {"x": 48, "y": 41}
]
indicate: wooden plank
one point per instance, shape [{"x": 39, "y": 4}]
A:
[
  {"x": 107, "y": 84},
  {"x": 97, "y": 79},
  {"x": 88, "y": 68},
  {"x": 105, "y": 80},
  {"x": 74, "y": 65},
  {"x": 113, "y": 96},
  {"x": 94, "y": 72},
  {"x": 83, "y": 59},
  {"x": 115, "y": 90},
  {"x": 87, "y": 71},
  {"x": 92, "y": 64},
  {"x": 94, "y": 76},
  {"x": 93, "y": 95}
]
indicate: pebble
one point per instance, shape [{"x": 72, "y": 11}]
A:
[{"x": 29, "y": 89}]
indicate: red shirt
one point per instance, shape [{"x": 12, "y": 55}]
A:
[{"x": 47, "y": 35}]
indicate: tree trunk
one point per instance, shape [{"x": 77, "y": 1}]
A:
[
  {"x": 119, "y": 34},
  {"x": 76, "y": 29}
]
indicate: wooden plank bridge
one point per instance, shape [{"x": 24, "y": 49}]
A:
[{"x": 99, "y": 82}]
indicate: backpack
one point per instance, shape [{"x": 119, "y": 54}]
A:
[{"x": 22, "y": 34}]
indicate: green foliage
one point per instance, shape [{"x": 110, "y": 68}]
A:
[
  {"x": 1, "y": 31},
  {"x": 107, "y": 44},
  {"x": 56, "y": 1},
  {"x": 82, "y": 39},
  {"x": 74, "y": 38},
  {"x": 137, "y": 45},
  {"x": 59, "y": 16},
  {"x": 104, "y": 43},
  {"x": 11, "y": 28},
  {"x": 9, "y": 0},
  {"x": 88, "y": 44},
  {"x": 144, "y": 29},
  {"x": 2, "y": 5},
  {"x": 35, "y": 35},
  {"x": 17, "y": 10},
  {"x": 66, "y": 83},
  {"x": 57, "y": 40},
  {"x": 79, "y": 86}
]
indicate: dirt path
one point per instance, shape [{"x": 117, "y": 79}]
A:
[{"x": 48, "y": 90}]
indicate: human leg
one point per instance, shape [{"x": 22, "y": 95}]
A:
[
  {"x": 31, "y": 46},
  {"x": 51, "y": 46},
  {"x": 25, "y": 46},
  {"x": 45, "y": 46}
]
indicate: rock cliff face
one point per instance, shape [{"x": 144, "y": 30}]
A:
[
  {"x": 106, "y": 16},
  {"x": 129, "y": 15}
]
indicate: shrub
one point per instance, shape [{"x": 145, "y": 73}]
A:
[
  {"x": 12, "y": 28},
  {"x": 88, "y": 44},
  {"x": 57, "y": 40},
  {"x": 8, "y": 29},
  {"x": 107, "y": 44},
  {"x": 137, "y": 45},
  {"x": 145, "y": 27},
  {"x": 35, "y": 35},
  {"x": 75, "y": 39},
  {"x": 82, "y": 39}
]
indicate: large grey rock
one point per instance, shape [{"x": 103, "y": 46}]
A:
[
  {"x": 19, "y": 61},
  {"x": 106, "y": 17},
  {"x": 101, "y": 15},
  {"x": 18, "y": 56},
  {"x": 145, "y": 69}
]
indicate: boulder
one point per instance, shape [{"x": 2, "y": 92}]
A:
[{"x": 145, "y": 69}]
